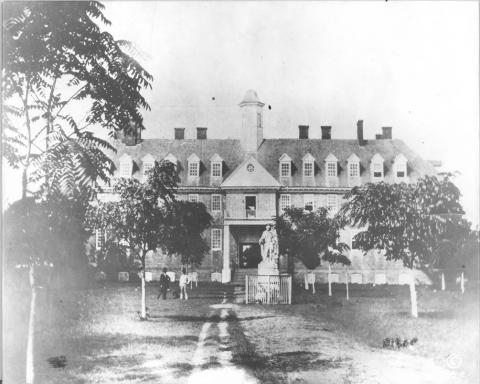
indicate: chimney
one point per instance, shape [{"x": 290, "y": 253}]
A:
[
  {"x": 179, "y": 133},
  {"x": 378, "y": 136},
  {"x": 303, "y": 131},
  {"x": 201, "y": 133},
  {"x": 360, "y": 132},
  {"x": 132, "y": 135},
  {"x": 326, "y": 132},
  {"x": 387, "y": 133}
]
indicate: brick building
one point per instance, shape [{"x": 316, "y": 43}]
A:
[{"x": 245, "y": 182}]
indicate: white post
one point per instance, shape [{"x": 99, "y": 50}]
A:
[
  {"x": 346, "y": 282},
  {"x": 306, "y": 280},
  {"x": 462, "y": 283},
  {"x": 413, "y": 295},
  {"x": 289, "y": 289},
  {"x": 226, "y": 272},
  {"x": 443, "y": 281},
  {"x": 329, "y": 280},
  {"x": 246, "y": 289}
]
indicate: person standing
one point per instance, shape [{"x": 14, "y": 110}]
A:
[
  {"x": 183, "y": 282},
  {"x": 164, "y": 284}
]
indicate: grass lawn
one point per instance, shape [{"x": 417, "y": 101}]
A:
[
  {"x": 324, "y": 333},
  {"x": 94, "y": 336},
  {"x": 98, "y": 332}
]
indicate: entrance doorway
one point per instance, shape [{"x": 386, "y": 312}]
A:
[{"x": 249, "y": 255}]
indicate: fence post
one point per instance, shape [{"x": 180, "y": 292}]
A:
[
  {"x": 268, "y": 290},
  {"x": 329, "y": 280},
  {"x": 443, "y": 281},
  {"x": 346, "y": 282},
  {"x": 289, "y": 289},
  {"x": 462, "y": 283},
  {"x": 246, "y": 289}
]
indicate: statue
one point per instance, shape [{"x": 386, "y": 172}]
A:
[{"x": 269, "y": 244}]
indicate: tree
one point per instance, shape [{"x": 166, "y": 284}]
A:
[
  {"x": 186, "y": 222},
  {"x": 62, "y": 74},
  {"x": 311, "y": 237},
  {"x": 139, "y": 218},
  {"x": 42, "y": 235},
  {"x": 407, "y": 221}
]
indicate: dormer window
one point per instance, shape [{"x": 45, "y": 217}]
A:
[
  {"x": 172, "y": 159},
  {"x": 377, "y": 168},
  {"x": 216, "y": 166},
  {"x": 285, "y": 168},
  {"x": 148, "y": 162},
  {"x": 331, "y": 168},
  {"x": 353, "y": 165},
  {"x": 126, "y": 166},
  {"x": 400, "y": 168},
  {"x": 193, "y": 166},
  {"x": 308, "y": 165},
  {"x": 193, "y": 198}
]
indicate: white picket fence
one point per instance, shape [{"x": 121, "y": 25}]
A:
[{"x": 268, "y": 289}]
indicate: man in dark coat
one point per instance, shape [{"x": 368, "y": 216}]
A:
[{"x": 164, "y": 284}]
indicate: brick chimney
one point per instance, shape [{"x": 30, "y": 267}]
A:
[
  {"x": 179, "y": 133},
  {"x": 360, "y": 132},
  {"x": 326, "y": 132},
  {"x": 387, "y": 133},
  {"x": 201, "y": 133},
  {"x": 303, "y": 131}
]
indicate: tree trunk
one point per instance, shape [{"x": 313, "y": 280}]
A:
[
  {"x": 30, "y": 373},
  {"x": 143, "y": 310},
  {"x": 329, "y": 280},
  {"x": 413, "y": 295}
]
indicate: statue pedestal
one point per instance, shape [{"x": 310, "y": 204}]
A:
[{"x": 268, "y": 267}]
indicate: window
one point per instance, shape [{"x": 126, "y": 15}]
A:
[
  {"x": 377, "y": 170},
  {"x": 331, "y": 169},
  {"x": 193, "y": 169},
  {"x": 285, "y": 202},
  {"x": 99, "y": 239},
  {"x": 354, "y": 243},
  {"x": 285, "y": 170},
  {"x": 250, "y": 206},
  {"x": 400, "y": 168},
  {"x": 259, "y": 120},
  {"x": 216, "y": 239},
  {"x": 332, "y": 202},
  {"x": 353, "y": 170},
  {"x": 193, "y": 198},
  {"x": 216, "y": 169},
  {"x": 308, "y": 203},
  {"x": 308, "y": 169},
  {"x": 126, "y": 169},
  {"x": 216, "y": 203}
]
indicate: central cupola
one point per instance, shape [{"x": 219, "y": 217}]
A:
[{"x": 252, "y": 122}]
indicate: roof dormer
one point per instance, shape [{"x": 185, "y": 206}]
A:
[
  {"x": 308, "y": 165},
  {"x": 193, "y": 166},
  {"x": 331, "y": 170},
  {"x": 285, "y": 169},
  {"x": 376, "y": 168},
  {"x": 171, "y": 158},
  {"x": 216, "y": 163},
  {"x": 400, "y": 168},
  {"x": 148, "y": 161},
  {"x": 353, "y": 170}
]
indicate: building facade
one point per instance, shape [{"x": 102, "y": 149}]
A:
[{"x": 248, "y": 181}]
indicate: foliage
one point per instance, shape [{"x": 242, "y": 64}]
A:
[
  {"x": 407, "y": 221},
  {"x": 186, "y": 222},
  {"x": 138, "y": 217},
  {"x": 61, "y": 75},
  {"x": 311, "y": 237},
  {"x": 46, "y": 232}
]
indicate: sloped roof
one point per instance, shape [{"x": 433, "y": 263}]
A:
[
  {"x": 271, "y": 150},
  {"x": 229, "y": 150},
  {"x": 250, "y": 174}
]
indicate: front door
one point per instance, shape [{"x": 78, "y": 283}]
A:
[{"x": 250, "y": 255}]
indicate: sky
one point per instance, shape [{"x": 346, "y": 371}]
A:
[{"x": 410, "y": 65}]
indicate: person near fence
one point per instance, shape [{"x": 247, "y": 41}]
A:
[
  {"x": 183, "y": 283},
  {"x": 164, "y": 284}
]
